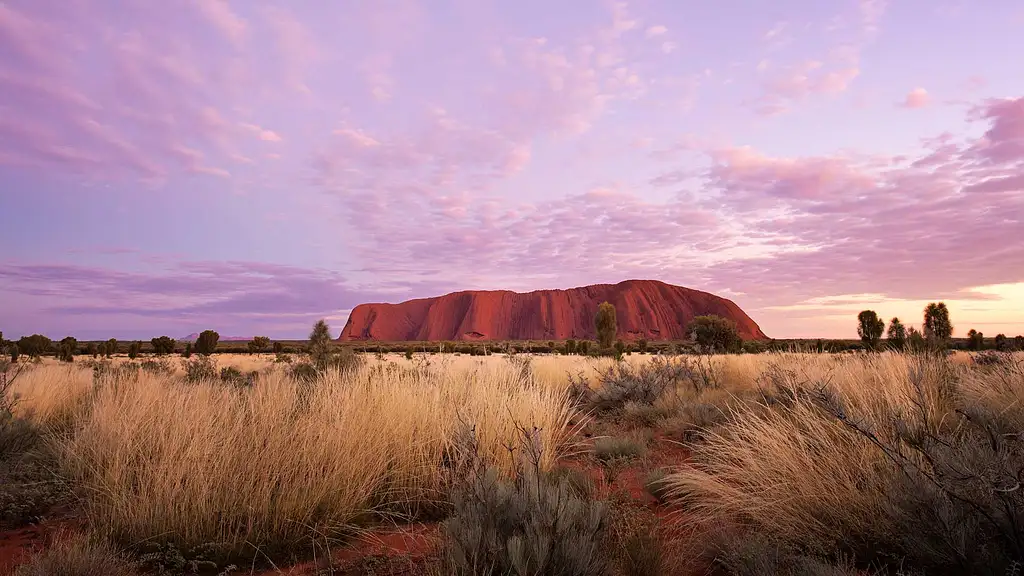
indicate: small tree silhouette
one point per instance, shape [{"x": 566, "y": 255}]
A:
[
  {"x": 66, "y": 349},
  {"x": 936, "y": 322},
  {"x": 163, "y": 345},
  {"x": 870, "y": 328},
  {"x": 714, "y": 333},
  {"x": 258, "y": 344},
  {"x": 897, "y": 334},
  {"x": 206, "y": 344},
  {"x": 605, "y": 324},
  {"x": 320, "y": 344},
  {"x": 975, "y": 339}
]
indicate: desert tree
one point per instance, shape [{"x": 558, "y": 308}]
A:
[
  {"x": 583, "y": 347},
  {"x": 133, "y": 349},
  {"x": 570, "y": 346},
  {"x": 187, "y": 353},
  {"x": 1018, "y": 342},
  {"x": 870, "y": 328},
  {"x": 66, "y": 349},
  {"x": 35, "y": 345},
  {"x": 605, "y": 324},
  {"x": 258, "y": 344},
  {"x": 715, "y": 334},
  {"x": 320, "y": 344},
  {"x": 937, "y": 325},
  {"x": 897, "y": 334},
  {"x": 91, "y": 349},
  {"x": 975, "y": 340},
  {"x": 1001, "y": 343},
  {"x": 206, "y": 344},
  {"x": 620, "y": 348},
  {"x": 111, "y": 347},
  {"x": 163, "y": 345},
  {"x": 915, "y": 339},
  {"x": 278, "y": 348},
  {"x": 641, "y": 345}
]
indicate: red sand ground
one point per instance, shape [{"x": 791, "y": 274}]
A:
[
  {"x": 402, "y": 549},
  {"x": 644, "y": 309}
]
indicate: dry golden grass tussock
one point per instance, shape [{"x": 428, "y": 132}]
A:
[
  {"x": 788, "y": 468},
  {"x": 207, "y": 463},
  {"x": 54, "y": 395}
]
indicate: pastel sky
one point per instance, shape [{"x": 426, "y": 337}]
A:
[{"x": 251, "y": 166}]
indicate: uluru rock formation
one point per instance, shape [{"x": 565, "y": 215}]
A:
[{"x": 644, "y": 309}]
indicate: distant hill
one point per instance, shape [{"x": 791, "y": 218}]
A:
[
  {"x": 195, "y": 336},
  {"x": 648, "y": 309}
]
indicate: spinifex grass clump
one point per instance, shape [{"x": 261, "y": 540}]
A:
[
  {"x": 887, "y": 460},
  {"x": 28, "y": 483},
  {"x": 76, "y": 555},
  {"x": 272, "y": 464}
]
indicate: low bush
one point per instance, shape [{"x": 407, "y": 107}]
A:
[
  {"x": 200, "y": 368},
  {"x": 619, "y": 448},
  {"x": 623, "y": 384},
  {"x": 527, "y": 524},
  {"x": 581, "y": 483},
  {"x": 157, "y": 367}
]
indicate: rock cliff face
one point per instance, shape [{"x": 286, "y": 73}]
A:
[{"x": 644, "y": 309}]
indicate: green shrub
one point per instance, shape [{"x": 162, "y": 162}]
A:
[
  {"x": 619, "y": 448},
  {"x": 528, "y": 524},
  {"x": 643, "y": 415},
  {"x": 157, "y": 367},
  {"x": 624, "y": 384},
  {"x": 231, "y": 374},
  {"x": 580, "y": 482},
  {"x": 201, "y": 368},
  {"x": 304, "y": 372}
]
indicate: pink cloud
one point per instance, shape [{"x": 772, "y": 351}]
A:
[
  {"x": 219, "y": 14},
  {"x": 916, "y": 98},
  {"x": 832, "y": 72},
  {"x": 1004, "y": 140},
  {"x": 657, "y": 30},
  {"x": 777, "y": 229}
]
